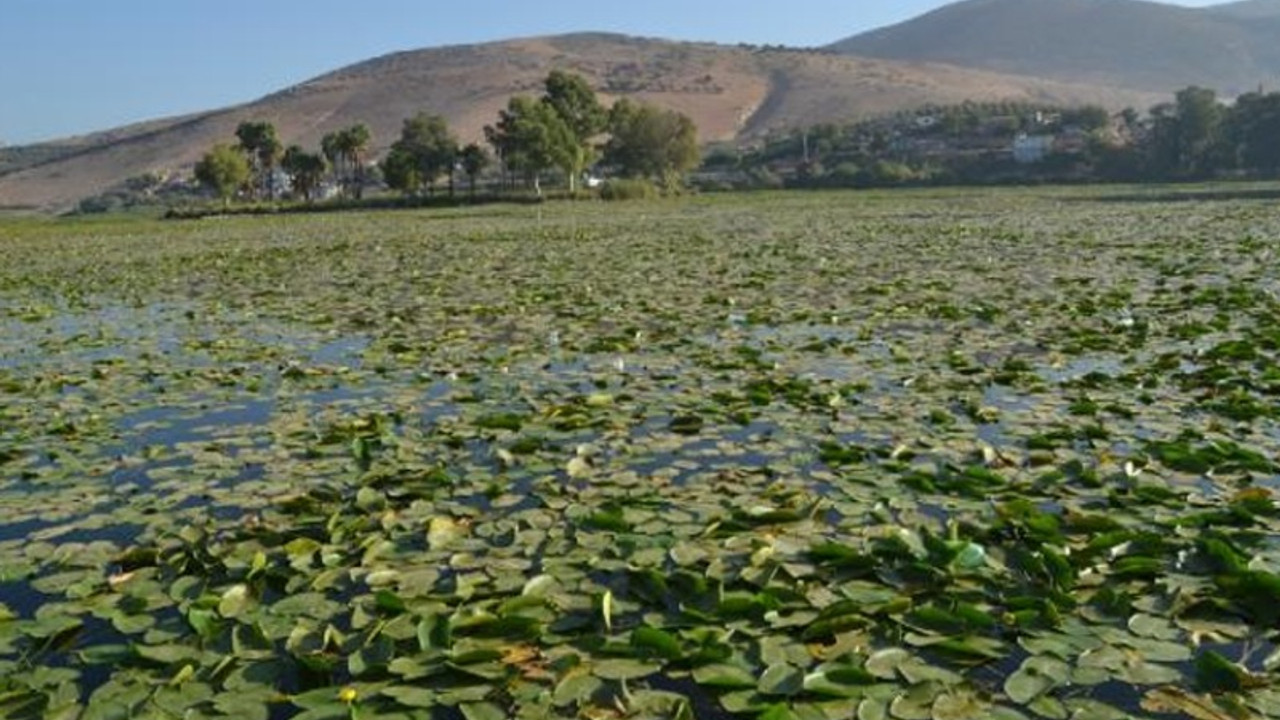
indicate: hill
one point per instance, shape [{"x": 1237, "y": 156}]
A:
[
  {"x": 1248, "y": 9},
  {"x": 732, "y": 92},
  {"x": 1123, "y": 43}
]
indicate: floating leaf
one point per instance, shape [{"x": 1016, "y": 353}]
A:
[
  {"x": 781, "y": 680},
  {"x": 235, "y": 601},
  {"x": 657, "y": 643},
  {"x": 1036, "y": 676},
  {"x": 483, "y": 711},
  {"x": 1216, "y": 674},
  {"x": 624, "y": 669},
  {"x": 442, "y": 532},
  {"x": 724, "y": 676},
  {"x": 577, "y": 688},
  {"x": 884, "y": 664}
]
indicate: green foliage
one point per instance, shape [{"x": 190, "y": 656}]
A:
[
  {"x": 572, "y": 98},
  {"x": 575, "y": 103},
  {"x": 1193, "y": 137},
  {"x": 400, "y": 171},
  {"x": 1089, "y": 118},
  {"x": 1185, "y": 133},
  {"x": 649, "y": 142},
  {"x": 345, "y": 150},
  {"x": 306, "y": 170},
  {"x": 531, "y": 138},
  {"x": 427, "y": 140},
  {"x": 259, "y": 141},
  {"x": 628, "y": 189},
  {"x": 695, "y": 448},
  {"x": 474, "y": 160},
  {"x": 224, "y": 170}
]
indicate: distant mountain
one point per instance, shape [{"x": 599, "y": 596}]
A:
[
  {"x": 1150, "y": 46},
  {"x": 1248, "y": 9},
  {"x": 732, "y": 92}
]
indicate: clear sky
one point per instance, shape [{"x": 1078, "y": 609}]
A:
[{"x": 72, "y": 66}]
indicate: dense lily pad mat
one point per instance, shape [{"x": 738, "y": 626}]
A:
[{"x": 914, "y": 456}]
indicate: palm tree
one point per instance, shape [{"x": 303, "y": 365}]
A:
[
  {"x": 357, "y": 142},
  {"x": 259, "y": 141},
  {"x": 331, "y": 147},
  {"x": 305, "y": 170},
  {"x": 345, "y": 149}
]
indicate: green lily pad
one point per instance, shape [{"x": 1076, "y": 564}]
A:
[
  {"x": 781, "y": 680},
  {"x": 235, "y": 601},
  {"x": 624, "y": 669},
  {"x": 1036, "y": 677}
]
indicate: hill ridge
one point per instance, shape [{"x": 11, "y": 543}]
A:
[{"x": 1134, "y": 44}]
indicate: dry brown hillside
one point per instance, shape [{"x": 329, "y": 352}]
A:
[
  {"x": 731, "y": 92},
  {"x": 1124, "y": 43}
]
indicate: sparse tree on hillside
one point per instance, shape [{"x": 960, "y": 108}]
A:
[
  {"x": 306, "y": 170},
  {"x": 647, "y": 141},
  {"x": 474, "y": 160},
  {"x": 224, "y": 169},
  {"x": 259, "y": 141},
  {"x": 531, "y": 138}
]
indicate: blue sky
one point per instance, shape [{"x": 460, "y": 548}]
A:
[{"x": 72, "y": 66}]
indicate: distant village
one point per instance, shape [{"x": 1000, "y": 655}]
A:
[
  {"x": 929, "y": 144},
  {"x": 1194, "y": 137}
]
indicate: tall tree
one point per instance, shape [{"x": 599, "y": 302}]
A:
[
  {"x": 259, "y": 141},
  {"x": 1185, "y": 134},
  {"x": 356, "y": 143},
  {"x": 305, "y": 170},
  {"x": 649, "y": 142},
  {"x": 1252, "y": 131},
  {"x": 400, "y": 171},
  {"x": 576, "y": 104},
  {"x": 1199, "y": 120},
  {"x": 474, "y": 160},
  {"x": 427, "y": 139},
  {"x": 531, "y": 138},
  {"x": 346, "y": 149},
  {"x": 332, "y": 147},
  {"x": 224, "y": 169}
]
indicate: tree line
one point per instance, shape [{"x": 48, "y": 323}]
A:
[
  {"x": 562, "y": 135},
  {"x": 1198, "y": 136},
  {"x": 1195, "y": 136}
]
